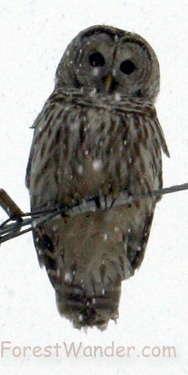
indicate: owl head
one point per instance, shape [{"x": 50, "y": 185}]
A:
[{"x": 107, "y": 60}]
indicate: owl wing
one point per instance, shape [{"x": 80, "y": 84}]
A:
[
  {"x": 37, "y": 123},
  {"x": 40, "y": 125}
]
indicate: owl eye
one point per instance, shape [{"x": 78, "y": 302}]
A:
[
  {"x": 96, "y": 59},
  {"x": 127, "y": 67}
]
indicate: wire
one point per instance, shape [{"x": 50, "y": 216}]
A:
[{"x": 21, "y": 223}]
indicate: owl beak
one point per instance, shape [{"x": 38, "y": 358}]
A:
[{"x": 108, "y": 82}]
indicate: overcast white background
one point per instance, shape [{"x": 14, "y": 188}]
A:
[{"x": 154, "y": 307}]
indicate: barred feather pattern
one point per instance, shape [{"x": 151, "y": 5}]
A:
[
  {"x": 92, "y": 152},
  {"x": 87, "y": 153}
]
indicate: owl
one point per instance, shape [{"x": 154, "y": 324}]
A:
[{"x": 96, "y": 158}]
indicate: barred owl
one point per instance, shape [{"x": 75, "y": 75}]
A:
[{"x": 96, "y": 152}]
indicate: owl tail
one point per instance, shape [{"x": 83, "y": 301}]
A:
[
  {"x": 91, "y": 272},
  {"x": 91, "y": 262},
  {"x": 86, "y": 268}
]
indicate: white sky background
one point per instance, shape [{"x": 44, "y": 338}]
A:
[{"x": 153, "y": 308}]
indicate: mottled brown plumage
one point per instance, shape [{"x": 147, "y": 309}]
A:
[{"x": 97, "y": 143}]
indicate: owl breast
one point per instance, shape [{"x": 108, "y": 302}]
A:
[{"x": 93, "y": 152}]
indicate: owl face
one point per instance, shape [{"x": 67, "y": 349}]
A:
[{"x": 107, "y": 60}]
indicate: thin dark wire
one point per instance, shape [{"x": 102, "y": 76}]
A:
[
  {"x": 171, "y": 189},
  {"x": 12, "y": 228}
]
